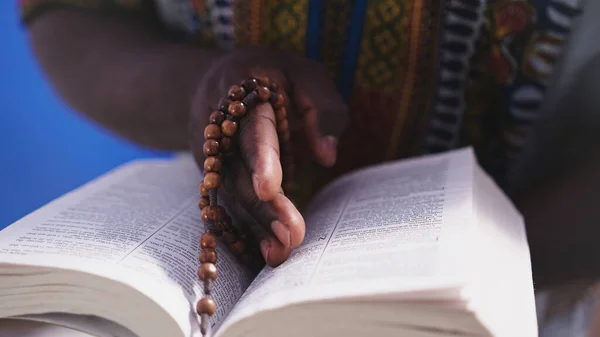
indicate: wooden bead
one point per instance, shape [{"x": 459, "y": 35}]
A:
[
  {"x": 237, "y": 247},
  {"x": 203, "y": 190},
  {"x": 212, "y": 164},
  {"x": 211, "y": 147},
  {"x": 208, "y": 240},
  {"x": 278, "y": 103},
  {"x": 217, "y": 229},
  {"x": 208, "y": 255},
  {"x": 207, "y": 271},
  {"x": 236, "y": 93},
  {"x": 224, "y": 104},
  {"x": 217, "y": 117},
  {"x": 206, "y": 306},
  {"x": 282, "y": 125},
  {"x": 207, "y": 213},
  {"x": 212, "y": 131},
  {"x": 281, "y": 114},
  {"x": 204, "y": 201},
  {"x": 230, "y": 237},
  {"x": 237, "y": 109},
  {"x": 225, "y": 144},
  {"x": 250, "y": 84},
  {"x": 212, "y": 180},
  {"x": 227, "y": 222},
  {"x": 264, "y": 81},
  {"x": 219, "y": 213},
  {"x": 263, "y": 93},
  {"x": 285, "y": 136},
  {"x": 274, "y": 86},
  {"x": 229, "y": 128}
]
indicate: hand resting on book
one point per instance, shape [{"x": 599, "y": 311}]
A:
[{"x": 252, "y": 179}]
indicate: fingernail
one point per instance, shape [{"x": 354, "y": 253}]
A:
[
  {"x": 256, "y": 185},
  {"x": 282, "y": 232},
  {"x": 265, "y": 248},
  {"x": 329, "y": 149}
]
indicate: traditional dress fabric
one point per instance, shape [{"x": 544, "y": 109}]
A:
[{"x": 420, "y": 76}]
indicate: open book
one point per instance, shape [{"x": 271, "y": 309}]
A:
[{"x": 423, "y": 247}]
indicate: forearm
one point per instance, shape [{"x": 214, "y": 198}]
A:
[{"x": 125, "y": 76}]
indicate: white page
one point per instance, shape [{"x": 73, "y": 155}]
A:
[
  {"x": 139, "y": 225},
  {"x": 502, "y": 291},
  {"x": 397, "y": 227}
]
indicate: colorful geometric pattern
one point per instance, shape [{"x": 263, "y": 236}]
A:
[
  {"x": 336, "y": 22},
  {"x": 383, "y": 49},
  {"x": 419, "y": 75},
  {"x": 280, "y": 24},
  {"x": 517, "y": 54},
  {"x": 246, "y": 21},
  {"x": 220, "y": 16},
  {"x": 395, "y": 74},
  {"x": 460, "y": 26},
  {"x": 284, "y": 24}
]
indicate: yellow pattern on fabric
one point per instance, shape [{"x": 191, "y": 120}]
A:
[
  {"x": 248, "y": 22},
  {"x": 416, "y": 8},
  {"x": 381, "y": 50},
  {"x": 285, "y": 24},
  {"x": 241, "y": 22},
  {"x": 255, "y": 28},
  {"x": 335, "y": 27}
]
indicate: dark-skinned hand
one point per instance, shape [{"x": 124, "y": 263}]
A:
[{"x": 252, "y": 178}]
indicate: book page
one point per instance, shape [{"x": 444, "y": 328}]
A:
[
  {"x": 502, "y": 290},
  {"x": 60, "y": 324},
  {"x": 27, "y": 328},
  {"x": 138, "y": 225},
  {"x": 393, "y": 228}
]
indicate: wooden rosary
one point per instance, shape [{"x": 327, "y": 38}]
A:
[{"x": 220, "y": 135}]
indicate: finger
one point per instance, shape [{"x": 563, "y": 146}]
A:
[
  {"x": 273, "y": 251},
  {"x": 278, "y": 216},
  {"x": 259, "y": 146},
  {"x": 243, "y": 221},
  {"x": 323, "y": 111},
  {"x": 270, "y": 247},
  {"x": 288, "y": 225},
  {"x": 280, "y": 225}
]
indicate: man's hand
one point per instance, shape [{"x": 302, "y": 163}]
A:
[
  {"x": 129, "y": 77},
  {"x": 252, "y": 180}
]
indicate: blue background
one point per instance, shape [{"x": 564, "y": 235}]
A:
[{"x": 45, "y": 148}]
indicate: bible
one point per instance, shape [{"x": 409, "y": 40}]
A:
[{"x": 422, "y": 247}]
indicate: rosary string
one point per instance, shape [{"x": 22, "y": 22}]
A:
[{"x": 219, "y": 135}]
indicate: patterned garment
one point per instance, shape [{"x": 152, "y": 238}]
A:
[{"x": 420, "y": 76}]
